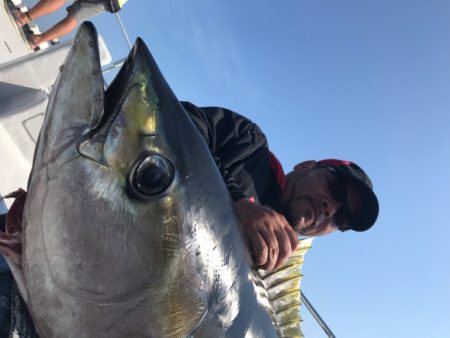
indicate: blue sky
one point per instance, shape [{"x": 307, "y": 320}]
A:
[{"x": 367, "y": 81}]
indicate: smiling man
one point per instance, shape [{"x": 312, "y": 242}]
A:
[
  {"x": 316, "y": 198},
  {"x": 329, "y": 195}
]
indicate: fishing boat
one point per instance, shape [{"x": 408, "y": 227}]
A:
[{"x": 26, "y": 80}]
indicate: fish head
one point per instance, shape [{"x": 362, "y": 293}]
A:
[{"x": 123, "y": 198}]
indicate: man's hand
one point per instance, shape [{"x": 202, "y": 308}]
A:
[{"x": 269, "y": 235}]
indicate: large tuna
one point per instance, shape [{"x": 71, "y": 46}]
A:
[{"x": 128, "y": 228}]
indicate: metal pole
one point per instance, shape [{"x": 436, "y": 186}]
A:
[
  {"x": 316, "y": 316},
  {"x": 115, "y": 64},
  {"x": 122, "y": 27}
]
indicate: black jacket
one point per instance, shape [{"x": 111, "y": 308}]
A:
[{"x": 241, "y": 152}]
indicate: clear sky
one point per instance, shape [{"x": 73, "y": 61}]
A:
[{"x": 367, "y": 81}]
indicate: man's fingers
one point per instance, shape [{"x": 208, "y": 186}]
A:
[
  {"x": 290, "y": 232},
  {"x": 258, "y": 248},
  {"x": 292, "y": 237},
  {"x": 270, "y": 237},
  {"x": 272, "y": 248},
  {"x": 284, "y": 245}
]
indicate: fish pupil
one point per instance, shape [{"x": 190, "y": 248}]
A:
[{"x": 153, "y": 175}]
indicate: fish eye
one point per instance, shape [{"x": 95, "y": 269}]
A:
[{"x": 151, "y": 175}]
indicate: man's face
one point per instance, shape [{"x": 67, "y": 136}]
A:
[{"x": 315, "y": 200}]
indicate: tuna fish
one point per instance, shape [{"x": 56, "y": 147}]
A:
[{"x": 128, "y": 228}]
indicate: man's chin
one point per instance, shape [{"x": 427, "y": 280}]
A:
[
  {"x": 299, "y": 225},
  {"x": 307, "y": 230},
  {"x": 301, "y": 216},
  {"x": 316, "y": 230}
]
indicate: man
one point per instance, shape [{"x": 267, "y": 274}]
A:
[
  {"x": 78, "y": 12},
  {"x": 315, "y": 199}
]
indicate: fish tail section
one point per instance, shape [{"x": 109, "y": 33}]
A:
[{"x": 283, "y": 292}]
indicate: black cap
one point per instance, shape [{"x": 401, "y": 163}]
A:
[{"x": 369, "y": 213}]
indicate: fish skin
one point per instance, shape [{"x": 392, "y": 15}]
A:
[{"x": 104, "y": 260}]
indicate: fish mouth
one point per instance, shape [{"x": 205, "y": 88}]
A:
[
  {"x": 83, "y": 118},
  {"x": 137, "y": 110},
  {"x": 132, "y": 77}
]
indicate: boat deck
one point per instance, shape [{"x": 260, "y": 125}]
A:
[
  {"x": 13, "y": 42},
  {"x": 26, "y": 80}
]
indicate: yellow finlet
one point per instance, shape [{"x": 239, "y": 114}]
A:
[{"x": 282, "y": 288}]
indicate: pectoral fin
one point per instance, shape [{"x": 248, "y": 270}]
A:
[{"x": 19, "y": 278}]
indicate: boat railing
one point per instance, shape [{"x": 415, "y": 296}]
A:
[{"x": 118, "y": 63}]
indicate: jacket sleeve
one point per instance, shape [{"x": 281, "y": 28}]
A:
[{"x": 225, "y": 139}]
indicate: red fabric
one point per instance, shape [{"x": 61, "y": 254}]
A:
[
  {"x": 14, "y": 216},
  {"x": 278, "y": 170},
  {"x": 11, "y": 239},
  {"x": 334, "y": 163}
]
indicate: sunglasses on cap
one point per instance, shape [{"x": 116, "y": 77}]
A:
[{"x": 338, "y": 189}]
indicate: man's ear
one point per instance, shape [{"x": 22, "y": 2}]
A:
[{"x": 305, "y": 165}]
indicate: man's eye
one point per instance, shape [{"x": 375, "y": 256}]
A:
[
  {"x": 338, "y": 189},
  {"x": 342, "y": 217}
]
